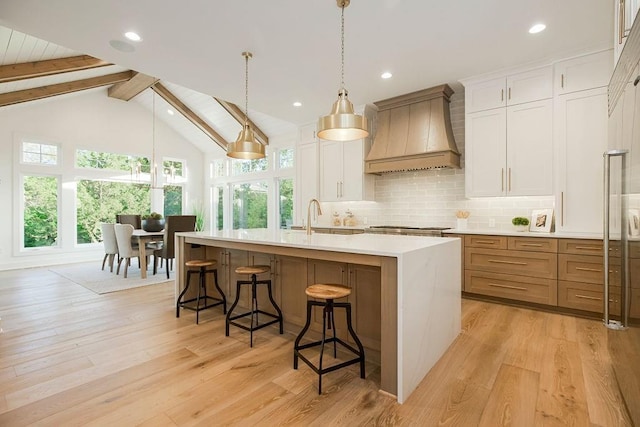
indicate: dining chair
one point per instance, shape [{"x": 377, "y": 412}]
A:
[
  {"x": 125, "y": 249},
  {"x": 173, "y": 224},
  {"x": 110, "y": 244},
  {"x": 134, "y": 220}
]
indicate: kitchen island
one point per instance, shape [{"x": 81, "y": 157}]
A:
[{"x": 413, "y": 285}]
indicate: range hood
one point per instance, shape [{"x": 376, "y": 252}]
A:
[{"x": 414, "y": 132}]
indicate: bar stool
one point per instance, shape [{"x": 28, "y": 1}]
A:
[
  {"x": 328, "y": 293},
  {"x": 253, "y": 270},
  {"x": 203, "y": 267}
]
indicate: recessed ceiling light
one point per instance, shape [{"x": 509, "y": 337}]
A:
[
  {"x": 170, "y": 112},
  {"x": 297, "y": 104},
  {"x": 134, "y": 37},
  {"x": 386, "y": 75},
  {"x": 537, "y": 28}
]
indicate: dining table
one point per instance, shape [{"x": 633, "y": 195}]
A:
[{"x": 143, "y": 237}]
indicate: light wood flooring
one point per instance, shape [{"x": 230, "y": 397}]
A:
[{"x": 71, "y": 357}]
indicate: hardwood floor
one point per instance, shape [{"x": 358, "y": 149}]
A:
[{"x": 71, "y": 357}]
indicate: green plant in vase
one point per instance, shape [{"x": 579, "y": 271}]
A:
[
  {"x": 153, "y": 222},
  {"x": 521, "y": 223},
  {"x": 198, "y": 211}
]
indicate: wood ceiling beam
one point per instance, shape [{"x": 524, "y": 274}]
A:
[
  {"x": 239, "y": 116},
  {"x": 29, "y": 70},
  {"x": 42, "y": 92},
  {"x": 131, "y": 88},
  {"x": 189, "y": 114}
]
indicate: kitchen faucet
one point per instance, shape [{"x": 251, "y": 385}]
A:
[{"x": 319, "y": 212}]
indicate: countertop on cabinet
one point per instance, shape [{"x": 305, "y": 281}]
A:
[
  {"x": 330, "y": 227},
  {"x": 557, "y": 235}
]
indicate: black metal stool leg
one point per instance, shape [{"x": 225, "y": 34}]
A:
[
  {"x": 333, "y": 324},
  {"x": 224, "y": 298},
  {"x": 273, "y": 303},
  {"x": 233, "y": 306},
  {"x": 355, "y": 338},
  {"x": 324, "y": 333},
  {"x": 300, "y": 335},
  {"x": 200, "y": 287},
  {"x": 254, "y": 309},
  {"x": 184, "y": 291}
]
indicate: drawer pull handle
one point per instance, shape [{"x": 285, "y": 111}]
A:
[
  {"x": 517, "y": 288},
  {"x": 533, "y": 245},
  {"x": 588, "y": 297},
  {"x": 486, "y": 242},
  {"x": 589, "y": 248},
  {"x": 499, "y": 261},
  {"x": 595, "y": 270}
]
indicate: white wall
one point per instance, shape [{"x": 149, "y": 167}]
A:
[
  {"x": 88, "y": 120},
  {"x": 432, "y": 197}
]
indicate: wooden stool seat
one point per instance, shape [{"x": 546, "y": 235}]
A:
[
  {"x": 203, "y": 267},
  {"x": 196, "y": 263},
  {"x": 253, "y": 269},
  {"x": 328, "y": 292},
  {"x": 324, "y": 291}
]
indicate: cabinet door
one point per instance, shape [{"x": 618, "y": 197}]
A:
[
  {"x": 530, "y": 86},
  {"x": 581, "y": 136},
  {"x": 235, "y": 259},
  {"x": 485, "y": 95},
  {"x": 364, "y": 282},
  {"x": 353, "y": 171},
  {"x": 307, "y": 133},
  {"x": 330, "y": 170},
  {"x": 584, "y": 72},
  {"x": 291, "y": 281},
  {"x": 486, "y": 133},
  {"x": 530, "y": 149},
  {"x": 306, "y": 185}
]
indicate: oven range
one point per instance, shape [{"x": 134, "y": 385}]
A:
[{"x": 408, "y": 231}]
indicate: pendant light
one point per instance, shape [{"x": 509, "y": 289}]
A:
[
  {"x": 246, "y": 147},
  {"x": 342, "y": 124}
]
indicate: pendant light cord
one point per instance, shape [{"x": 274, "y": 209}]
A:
[
  {"x": 246, "y": 88},
  {"x": 342, "y": 47}
]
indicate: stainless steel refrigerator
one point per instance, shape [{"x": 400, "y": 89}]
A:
[{"x": 621, "y": 225}]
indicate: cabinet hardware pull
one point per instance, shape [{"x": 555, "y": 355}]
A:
[
  {"x": 499, "y": 261},
  {"x": 509, "y": 96},
  {"x": 509, "y": 179},
  {"x": 562, "y": 208},
  {"x": 501, "y": 94},
  {"x": 337, "y": 189},
  {"x": 502, "y": 178},
  {"x": 621, "y": 19},
  {"x": 588, "y": 297},
  {"x": 533, "y": 245},
  {"x": 486, "y": 242},
  {"x": 595, "y": 270},
  {"x": 517, "y": 288},
  {"x": 562, "y": 81},
  {"x": 589, "y": 248}
]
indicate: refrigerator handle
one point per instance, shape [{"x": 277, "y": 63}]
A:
[{"x": 611, "y": 324}]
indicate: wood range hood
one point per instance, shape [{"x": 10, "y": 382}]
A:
[{"x": 414, "y": 132}]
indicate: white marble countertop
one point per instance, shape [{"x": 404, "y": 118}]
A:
[
  {"x": 557, "y": 235},
  {"x": 368, "y": 244}
]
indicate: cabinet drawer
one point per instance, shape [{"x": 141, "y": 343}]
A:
[
  {"x": 634, "y": 250},
  {"x": 521, "y": 288},
  {"x": 587, "y": 296},
  {"x": 493, "y": 242},
  {"x": 536, "y": 244},
  {"x": 580, "y": 247},
  {"x": 534, "y": 264},
  {"x": 587, "y": 269}
]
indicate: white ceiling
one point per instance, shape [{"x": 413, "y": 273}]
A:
[{"x": 296, "y": 44}]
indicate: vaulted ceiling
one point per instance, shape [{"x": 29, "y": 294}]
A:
[{"x": 296, "y": 46}]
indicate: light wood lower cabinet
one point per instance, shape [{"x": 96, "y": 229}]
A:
[{"x": 521, "y": 288}]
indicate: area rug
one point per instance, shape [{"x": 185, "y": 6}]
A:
[{"x": 89, "y": 275}]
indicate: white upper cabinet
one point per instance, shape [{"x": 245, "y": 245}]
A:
[
  {"x": 584, "y": 72},
  {"x": 513, "y": 89},
  {"x": 342, "y": 176},
  {"x": 509, "y": 144},
  {"x": 625, "y": 14},
  {"x": 307, "y": 133},
  {"x": 306, "y": 185}
]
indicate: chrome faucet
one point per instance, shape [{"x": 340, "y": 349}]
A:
[{"x": 319, "y": 212}]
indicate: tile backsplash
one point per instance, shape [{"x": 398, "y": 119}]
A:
[{"x": 432, "y": 197}]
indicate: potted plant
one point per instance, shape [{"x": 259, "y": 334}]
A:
[
  {"x": 521, "y": 223},
  {"x": 153, "y": 222}
]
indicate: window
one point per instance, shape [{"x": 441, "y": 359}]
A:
[
  {"x": 250, "y": 205},
  {"x": 285, "y": 158},
  {"x": 100, "y": 201},
  {"x": 40, "y": 203},
  {"x": 41, "y": 154},
  {"x": 285, "y": 199},
  {"x": 173, "y": 170},
  {"x": 120, "y": 162},
  {"x": 218, "y": 204},
  {"x": 217, "y": 168},
  {"x": 241, "y": 167},
  {"x": 172, "y": 200}
]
